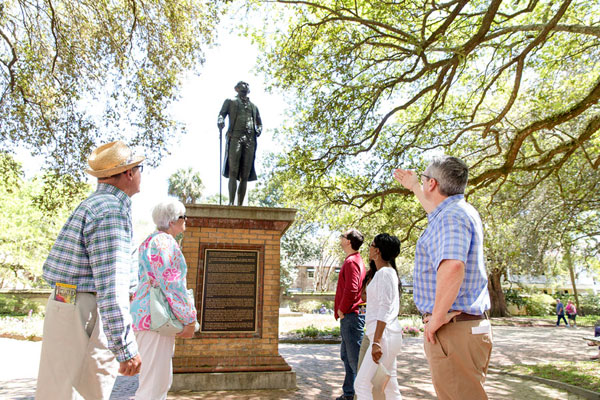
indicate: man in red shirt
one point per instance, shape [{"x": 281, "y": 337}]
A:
[{"x": 347, "y": 301}]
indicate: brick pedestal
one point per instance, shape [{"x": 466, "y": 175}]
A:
[{"x": 217, "y": 360}]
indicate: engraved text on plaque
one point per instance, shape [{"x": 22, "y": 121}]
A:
[{"x": 229, "y": 291}]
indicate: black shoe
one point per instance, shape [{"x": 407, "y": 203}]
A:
[{"x": 344, "y": 397}]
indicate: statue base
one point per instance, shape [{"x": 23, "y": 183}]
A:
[
  {"x": 233, "y": 257},
  {"x": 234, "y": 381}
]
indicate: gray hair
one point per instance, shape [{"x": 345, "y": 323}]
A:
[
  {"x": 451, "y": 173},
  {"x": 166, "y": 212}
]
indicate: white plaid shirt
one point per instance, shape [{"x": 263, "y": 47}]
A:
[
  {"x": 94, "y": 251},
  {"x": 454, "y": 232}
]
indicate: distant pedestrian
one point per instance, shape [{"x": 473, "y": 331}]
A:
[
  {"x": 450, "y": 281},
  {"x": 560, "y": 312},
  {"x": 382, "y": 326},
  {"x": 88, "y": 324},
  {"x": 596, "y": 334},
  {"x": 571, "y": 313},
  {"x": 346, "y": 307}
]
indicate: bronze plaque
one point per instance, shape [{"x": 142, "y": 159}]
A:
[{"x": 229, "y": 291}]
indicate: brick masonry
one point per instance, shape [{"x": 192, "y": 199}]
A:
[{"x": 239, "y": 228}]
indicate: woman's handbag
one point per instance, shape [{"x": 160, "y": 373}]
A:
[{"x": 162, "y": 319}]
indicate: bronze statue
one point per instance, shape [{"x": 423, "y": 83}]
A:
[{"x": 245, "y": 126}]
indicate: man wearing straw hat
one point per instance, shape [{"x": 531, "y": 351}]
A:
[{"x": 92, "y": 271}]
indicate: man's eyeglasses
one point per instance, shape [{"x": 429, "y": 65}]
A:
[
  {"x": 425, "y": 176},
  {"x": 343, "y": 236},
  {"x": 183, "y": 217},
  {"x": 140, "y": 167},
  {"x": 372, "y": 244}
]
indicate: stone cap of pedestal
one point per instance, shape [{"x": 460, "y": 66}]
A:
[{"x": 237, "y": 213}]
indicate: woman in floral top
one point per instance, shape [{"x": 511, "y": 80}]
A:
[{"x": 161, "y": 264}]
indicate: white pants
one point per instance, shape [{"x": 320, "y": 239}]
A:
[
  {"x": 75, "y": 362},
  {"x": 156, "y": 374},
  {"x": 391, "y": 343}
]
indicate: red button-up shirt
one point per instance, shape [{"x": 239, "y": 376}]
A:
[{"x": 347, "y": 294}]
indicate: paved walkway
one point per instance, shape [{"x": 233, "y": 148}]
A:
[{"x": 320, "y": 372}]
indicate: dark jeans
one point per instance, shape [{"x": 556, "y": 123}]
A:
[
  {"x": 351, "y": 330},
  {"x": 563, "y": 318}
]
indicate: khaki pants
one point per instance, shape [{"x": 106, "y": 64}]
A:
[
  {"x": 75, "y": 362},
  {"x": 459, "y": 359}
]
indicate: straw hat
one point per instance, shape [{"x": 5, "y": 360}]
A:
[{"x": 112, "y": 159}]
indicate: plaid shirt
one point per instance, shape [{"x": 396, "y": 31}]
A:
[
  {"x": 454, "y": 232},
  {"x": 94, "y": 251}
]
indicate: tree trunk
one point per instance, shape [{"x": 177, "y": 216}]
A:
[
  {"x": 497, "y": 298},
  {"x": 571, "y": 268}
]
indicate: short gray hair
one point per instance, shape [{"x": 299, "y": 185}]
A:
[
  {"x": 451, "y": 173},
  {"x": 166, "y": 212}
]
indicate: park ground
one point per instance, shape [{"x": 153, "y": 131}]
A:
[{"x": 320, "y": 371}]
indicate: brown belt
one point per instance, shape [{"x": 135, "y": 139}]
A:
[
  {"x": 94, "y": 293},
  {"x": 462, "y": 317}
]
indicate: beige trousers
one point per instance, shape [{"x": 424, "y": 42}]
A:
[
  {"x": 459, "y": 359},
  {"x": 156, "y": 374},
  {"x": 75, "y": 362}
]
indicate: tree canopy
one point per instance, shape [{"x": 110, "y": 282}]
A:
[
  {"x": 76, "y": 73},
  {"x": 27, "y": 231},
  {"x": 510, "y": 87}
]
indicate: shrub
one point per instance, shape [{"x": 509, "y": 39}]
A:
[
  {"x": 513, "y": 296},
  {"x": 411, "y": 331},
  {"x": 589, "y": 304},
  {"x": 307, "y": 306},
  {"x": 313, "y": 332},
  {"x": 407, "y": 305},
  {"x": 17, "y": 305},
  {"x": 539, "y": 304}
]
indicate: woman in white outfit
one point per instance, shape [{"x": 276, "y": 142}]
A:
[
  {"x": 161, "y": 265},
  {"x": 381, "y": 320}
]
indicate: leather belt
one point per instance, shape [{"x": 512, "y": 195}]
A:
[
  {"x": 468, "y": 317},
  {"x": 94, "y": 293},
  {"x": 461, "y": 317}
]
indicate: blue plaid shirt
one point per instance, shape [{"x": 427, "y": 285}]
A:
[
  {"x": 94, "y": 251},
  {"x": 454, "y": 232}
]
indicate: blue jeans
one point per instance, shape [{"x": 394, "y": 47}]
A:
[{"x": 351, "y": 330}]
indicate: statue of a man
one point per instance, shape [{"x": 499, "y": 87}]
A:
[{"x": 245, "y": 126}]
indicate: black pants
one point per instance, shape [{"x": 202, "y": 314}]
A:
[
  {"x": 563, "y": 318},
  {"x": 241, "y": 156}
]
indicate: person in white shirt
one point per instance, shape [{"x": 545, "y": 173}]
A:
[{"x": 381, "y": 321}]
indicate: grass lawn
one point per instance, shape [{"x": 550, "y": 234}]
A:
[
  {"x": 326, "y": 323},
  {"x": 584, "y": 374},
  {"x": 588, "y": 320},
  {"x": 22, "y": 327}
]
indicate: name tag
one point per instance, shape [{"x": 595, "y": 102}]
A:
[{"x": 484, "y": 327}]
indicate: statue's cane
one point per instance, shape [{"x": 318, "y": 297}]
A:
[{"x": 220, "y": 161}]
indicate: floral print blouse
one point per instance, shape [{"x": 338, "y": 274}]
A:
[{"x": 161, "y": 264}]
